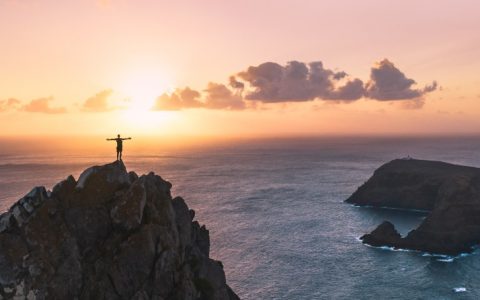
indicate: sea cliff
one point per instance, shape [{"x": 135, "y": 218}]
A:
[
  {"x": 449, "y": 193},
  {"x": 108, "y": 235}
]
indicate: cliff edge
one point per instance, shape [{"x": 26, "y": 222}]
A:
[
  {"x": 450, "y": 193},
  {"x": 109, "y": 235}
]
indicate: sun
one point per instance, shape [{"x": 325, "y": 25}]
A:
[{"x": 142, "y": 88}]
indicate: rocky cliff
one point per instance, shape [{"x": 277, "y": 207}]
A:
[
  {"x": 451, "y": 194},
  {"x": 109, "y": 235}
]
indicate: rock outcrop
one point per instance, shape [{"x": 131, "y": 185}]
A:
[
  {"x": 109, "y": 235},
  {"x": 450, "y": 193}
]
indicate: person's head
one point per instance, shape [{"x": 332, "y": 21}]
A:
[{"x": 118, "y": 135}]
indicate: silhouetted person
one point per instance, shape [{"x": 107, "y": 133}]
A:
[{"x": 119, "y": 141}]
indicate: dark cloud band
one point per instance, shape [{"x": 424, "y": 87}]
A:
[
  {"x": 296, "y": 81},
  {"x": 389, "y": 83}
]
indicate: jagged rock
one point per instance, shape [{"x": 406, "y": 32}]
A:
[
  {"x": 98, "y": 184},
  {"x": 132, "y": 265},
  {"x": 33, "y": 199},
  {"x": 201, "y": 236},
  {"x": 127, "y": 213},
  {"x": 114, "y": 173},
  {"x": 384, "y": 235},
  {"x": 20, "y": 215},
  {"x": 211, "y": 280},
  {"x": 111, "y": 235},
  {"x": 64, "y": 188},
  {"x": 132, "y": 176},
  {"x": 12, "y": 251},
  {"x": 5, "y": 221},
  {"x": 451, "y": 194}
]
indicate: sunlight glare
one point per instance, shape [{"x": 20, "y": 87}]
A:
[
  {"x": 145, "y": 121},
  {"x": 142, "y": 88}
]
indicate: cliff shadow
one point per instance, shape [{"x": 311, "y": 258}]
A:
[{"x": 404, "y": 220}]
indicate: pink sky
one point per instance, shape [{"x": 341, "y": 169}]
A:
[{"x": 65, "y": 52}]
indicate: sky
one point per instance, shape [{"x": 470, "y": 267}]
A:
[{"x": 248, "y": 68}]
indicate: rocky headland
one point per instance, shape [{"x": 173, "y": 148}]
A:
[
  {"x": 449, "y": 193},
  {"x": 109, "y": 235}
]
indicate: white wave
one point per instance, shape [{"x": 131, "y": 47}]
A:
[
  {"x": 425, "y": 211},
  {"x": 459, "y": 289},
  {"x": 449, "y": 259},
  {"x": 389, "y": 248},
  {"x": 439, "y": 257}
]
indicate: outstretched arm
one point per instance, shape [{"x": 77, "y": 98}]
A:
[
  {"x": 129, "y": 138},
  {"x": 110, "y": 139}
]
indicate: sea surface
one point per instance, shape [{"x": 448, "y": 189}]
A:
[{"x": 276, "y": 214}]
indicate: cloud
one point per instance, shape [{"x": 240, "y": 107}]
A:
[
  {"x": 215, "y": 96},
  {"x": 219, "y": 96},
  {"x": 234, "y": 83},
  {"x": 389, "y": 83},
  {"x": 351, "y": 91},
  {"x": 98, "y": 102},
  {"x": 179, "y": 99},
  {"x": 413, "y": 103},
  {"x": 268, "y": 82},
  {"x": 297, "y": 81},
  {"x": 339, "y": 75},
  {"x": 9, "y": 104},
  {"x": 41, "y": 105}
]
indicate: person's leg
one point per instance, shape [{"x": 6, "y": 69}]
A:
[
  {"x": 118, "y": 152},
  {"x": 120, "y": 155}
]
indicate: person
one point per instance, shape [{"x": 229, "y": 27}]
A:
[{"x": 119, "y": 141}]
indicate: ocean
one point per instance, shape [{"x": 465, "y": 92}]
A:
[{"x": 276, "y": 214}]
